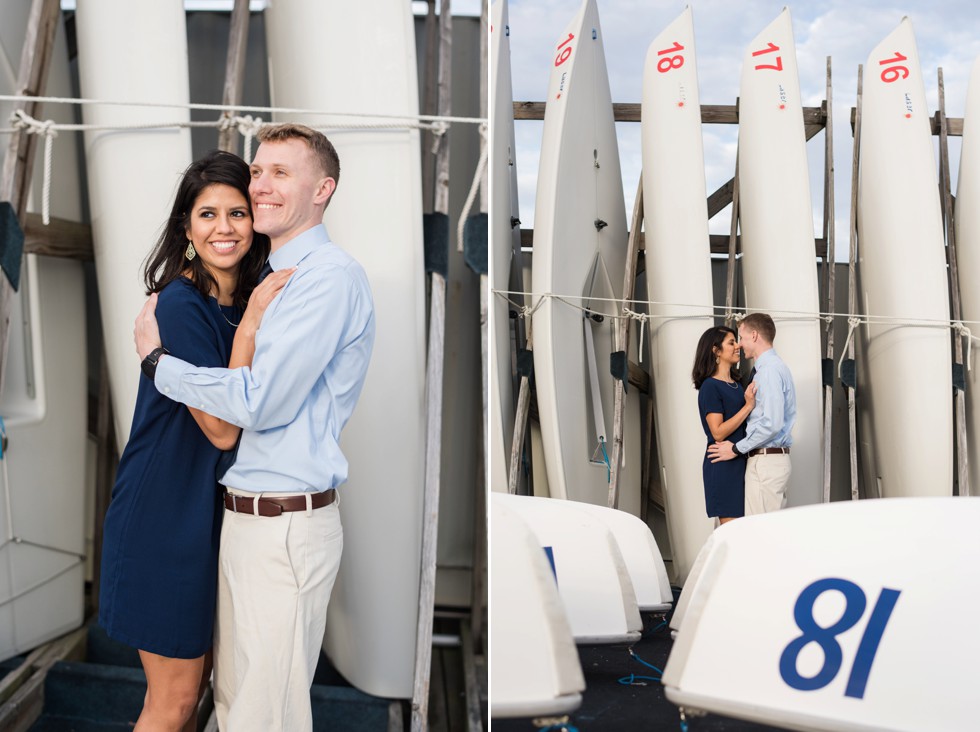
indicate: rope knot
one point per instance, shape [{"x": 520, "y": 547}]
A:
[
  {"x": 964, "y": 332},
  {"x": 248, "y": 127},
  {"x": 21, "y": 120}
]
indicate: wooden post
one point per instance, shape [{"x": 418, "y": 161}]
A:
[
  {"x": 520, "y": 422},
  {"x": 479, "y": 574},
  {"x": 829, "y": 264},
  {"x": 962, "y": 466},
  {"x": 621, "y": 340},
  {"x": 234, "y": 71},
  {"x": 732, "y": 245},
  {"x": 852, "y": 286},
  {"x": 433, "y": 381},
  {"x": 18, "y": 165},
  {"x": 430, "y": 102}
]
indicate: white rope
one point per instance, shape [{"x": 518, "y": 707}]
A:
[
  {"x": 964, "y": 332},
  {"x": 853, "y": 323},
  {"x": 642, "y": 319},
  {"x": 30, "y": 126},
  {"x": 230, "y": 108},
  {"x": 474, "y": 188},
  {"x": 701, "y": 311},
  {"x": 248, "y": 127}
]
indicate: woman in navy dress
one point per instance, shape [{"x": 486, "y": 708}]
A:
[
  {"x": 161, "y": 531},
  {"x": 724, "y": 408}
]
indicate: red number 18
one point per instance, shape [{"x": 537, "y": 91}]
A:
[{"x": 670, "y": 62}]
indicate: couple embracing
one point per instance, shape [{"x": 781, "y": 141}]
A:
[{"x": 747, "y": 464}]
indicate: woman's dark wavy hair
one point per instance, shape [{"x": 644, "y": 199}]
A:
[
  {"x": 704, "y": 357},
  {"x": 167, "y": 262}
]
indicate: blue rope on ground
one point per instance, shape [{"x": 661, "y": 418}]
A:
[
  {"x": 648, "y": 665},
  {"x": 637, "y": 680},
  {"x": 559, "y": 728},
  {"x": 634, "y": 680}
]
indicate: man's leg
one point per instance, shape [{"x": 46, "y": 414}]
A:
[
  {"x": 753, "y": 488},
  {"x": 225, "y": 681},
  {"x": 280, "y": 572},
  {"x": 773, "y": 473}
]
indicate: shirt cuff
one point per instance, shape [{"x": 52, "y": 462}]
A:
[{"x": 170, "y": 371}]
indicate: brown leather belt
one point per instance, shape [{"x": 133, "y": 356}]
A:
[
  {"x": 769, "y": 451},
  {"x": 277, "y": 506}
]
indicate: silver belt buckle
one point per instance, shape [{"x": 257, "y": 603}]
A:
[{"x": 234, "y": 502}]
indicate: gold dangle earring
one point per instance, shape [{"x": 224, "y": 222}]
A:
[{"x": 190, "y": 252}]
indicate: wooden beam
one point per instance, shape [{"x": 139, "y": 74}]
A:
[
  {"x": 954, "y": 125},
  {"x": 60, "y": 238},
  {"x": 719, "y": 243},
  {"x": 640, "y": 378},
  {"x": 234, "y": 71},
  {"x": 711, "y": 114},
  {"x": 24, "y": 705}
]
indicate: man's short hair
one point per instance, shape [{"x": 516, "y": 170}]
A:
[
  {"x": 323, "y": 150},
  {"x": 762, "y": 323}
]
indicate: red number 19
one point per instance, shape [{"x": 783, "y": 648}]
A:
[{"x": 564, "y": 55}]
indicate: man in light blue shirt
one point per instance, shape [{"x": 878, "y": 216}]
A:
[
  {"x": 769, "y": 429},
  {"x": 281, "y": 538}
]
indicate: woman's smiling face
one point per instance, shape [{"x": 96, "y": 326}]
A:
[{"x": 220, "y": 225}]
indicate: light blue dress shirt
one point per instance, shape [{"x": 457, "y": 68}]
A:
[
  {"x": 771, "y": 421},
  {"x": 311, "y": 358}
]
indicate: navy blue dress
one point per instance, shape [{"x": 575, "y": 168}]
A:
[
  {"x": 161, "y": 532},
  {"x": 724, "y": 482}
]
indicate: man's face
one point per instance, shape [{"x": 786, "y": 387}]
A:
[
  {"x": 287, "y": 189},
  {"x": 747, "y": 339}
]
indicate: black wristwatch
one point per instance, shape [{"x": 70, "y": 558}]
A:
[
  {"x": 149, "y": 364},
  {"x": 734, "y": 448}
]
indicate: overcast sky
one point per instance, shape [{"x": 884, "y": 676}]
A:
[{"x": 947, "y": 34}]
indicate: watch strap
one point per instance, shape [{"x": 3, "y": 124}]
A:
[{"x": 149, "y": 364}]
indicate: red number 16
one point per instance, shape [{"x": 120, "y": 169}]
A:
[{"x": 895, "y": 72}]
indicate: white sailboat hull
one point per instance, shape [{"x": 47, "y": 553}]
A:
[
  {"x": 824, "y": 639},
  {"x": 778, "y": 261},
  {"x": 506, "y": 247},
  {"x": 678, "y": 272},
  {"x": 360, "y": 58},
  {"x": 593, "y": 580},
  {"x": 901, "y": 251},
  {"x": 535, "y": 669},
  {"x": 580, "y": 184},
  {"x": 132, "y": 174}
]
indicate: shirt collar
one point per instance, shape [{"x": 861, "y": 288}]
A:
[
  {"x": 765, "y": 356},
  {"x": 299, "y": 247}
]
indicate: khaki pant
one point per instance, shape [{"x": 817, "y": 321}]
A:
[
  {"x": 274, "y": 582},
  {"x": 766, "y": 477}
]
